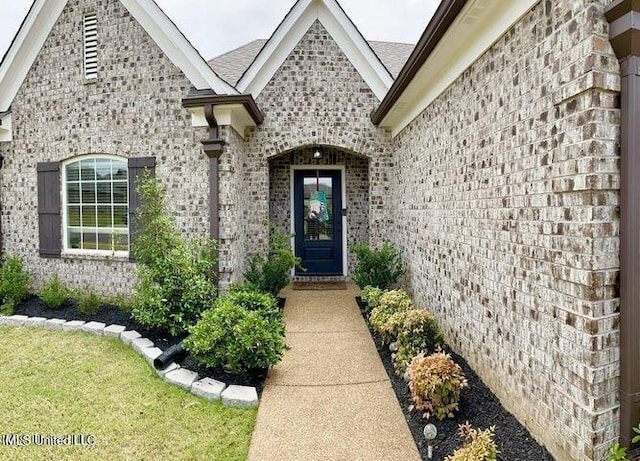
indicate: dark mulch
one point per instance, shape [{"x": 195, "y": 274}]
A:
[
  {"x": 109, "y": 314},
  {"x": 478, "y": 405}
]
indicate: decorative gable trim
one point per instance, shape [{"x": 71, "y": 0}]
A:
[
  {"x": 25, "y": 47},
  {"x": 42, "y": 17},
  {"x": 291, "y": 30}
]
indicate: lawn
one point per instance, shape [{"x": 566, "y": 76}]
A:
[{"x": 59, "y": 383}]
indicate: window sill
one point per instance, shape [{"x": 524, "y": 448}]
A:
[{"x": 96, "y": 256}]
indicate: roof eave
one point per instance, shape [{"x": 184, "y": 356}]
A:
[{"x": 444, "y": 16}]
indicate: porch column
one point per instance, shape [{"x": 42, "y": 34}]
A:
[{"x": 624, "y": 34}]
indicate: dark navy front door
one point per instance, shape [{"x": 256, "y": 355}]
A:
[{"x": 318, "y": 221}]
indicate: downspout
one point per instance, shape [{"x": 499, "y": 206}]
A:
[
  {"x": 213, "y": 147},
  {"x": 624, "y": 35}
]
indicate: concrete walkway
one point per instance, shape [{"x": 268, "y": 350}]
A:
[{"x": 330, "y": 398}]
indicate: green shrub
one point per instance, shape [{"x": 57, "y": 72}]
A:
[
  {"x": 435, "y": 382},
  {"x": 478, "y": 445},
  {"x": 54, "y": 293},
  {"x": 391, "y": 302},
  {"x": 236, "y": 339},
  {"x": 14, "y": 283},
  {"x": 417, "y": 332},
  {"x": 175, "y": 275},
  {"x": 371, "y": 297},
  {"x": 379, "y": 268},
  {"x": 88, "y": 302},
  {"x": 618, "y": 453},
  {"x": 272, "y": 272},
  {"x": 6, "y": 308}
]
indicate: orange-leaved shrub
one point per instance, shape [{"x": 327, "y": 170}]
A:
[
  {"x": 435, "y": 382},
  {"x": 478, "y": 445}
]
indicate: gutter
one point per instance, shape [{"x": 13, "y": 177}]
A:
[
  {"x": 444, "y": 16},
  {"x": 624, "y": 35}
]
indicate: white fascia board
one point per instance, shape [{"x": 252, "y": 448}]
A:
[
  {"x": 175, "y": 45},
  {"x": 6, "y": 134},
  {"x": 355, "y": 47},
  {"x": 26, "y": 46},
  {"x": 480, "y": 24},
  {"x": 277, "y": 48}
]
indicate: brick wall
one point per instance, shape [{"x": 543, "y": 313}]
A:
[
  {"x": 133, "y": 110},
  {"x": 316, "y": 97},
  {"x": 505, "y": 204}
]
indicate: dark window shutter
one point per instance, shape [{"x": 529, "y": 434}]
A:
[
  {"x": 49, "y": 226},
  {"x": 137, "y": 167}
]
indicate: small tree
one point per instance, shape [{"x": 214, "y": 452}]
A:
[{"x": 175, "y": 274}]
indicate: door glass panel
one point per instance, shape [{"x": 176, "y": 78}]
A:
[{"x": 318, "y": 208}]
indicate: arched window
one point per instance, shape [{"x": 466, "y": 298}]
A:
[{"x": 95, "y": 208}]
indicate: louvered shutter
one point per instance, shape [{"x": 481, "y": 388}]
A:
[{"x": 49, "y": 226}]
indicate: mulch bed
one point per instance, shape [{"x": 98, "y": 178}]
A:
[
  {"x": 478, "y": 405},
  {"x": 108, "y": 314}
]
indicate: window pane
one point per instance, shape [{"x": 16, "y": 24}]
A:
[
  {"x": 73, "y": 216},
  {"x": 89, "y": 241},
  {"x": 120, "y": 192},
  {"x": 104, "y": 216},
  {"x": 120, "y": 242},
  {"x": 74, "y": 240},
  {"x": 73, "y": 171},
  {"x": 89, "y": 216},
  {"x": 73, "y": 193},
  {"x": 88, "y": 170},
  {"x": 120, "y": 216},
  {"x": 104, "y": 192},
  {"x": 104, "y": 242},
  {"x": 119, "y": 170},
  {"x": 89, "y": 192},
  {"x": 103, "y": 169}
]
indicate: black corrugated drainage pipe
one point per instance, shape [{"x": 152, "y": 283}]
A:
[{"x": 176, "y": 353}]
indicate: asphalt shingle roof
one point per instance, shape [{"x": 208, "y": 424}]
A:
[{"x": 231, "y": 65}]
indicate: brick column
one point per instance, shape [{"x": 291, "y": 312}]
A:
[{"x": 623, "y": 16}]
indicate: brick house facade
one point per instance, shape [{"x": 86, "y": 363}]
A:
[{"x": 491, "y": 160}]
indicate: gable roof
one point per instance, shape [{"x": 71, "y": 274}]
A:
[
  {"x": 42, "y": 17},
  {"x": 293, "y": 27},
  {"x": 232, "y": 64}
]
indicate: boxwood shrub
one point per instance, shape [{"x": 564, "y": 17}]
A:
[{"x": 236, "y": 339}]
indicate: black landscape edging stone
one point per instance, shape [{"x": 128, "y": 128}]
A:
[
  {"x": 109, "y": 314},
  {"x": 478, "y": 405}
]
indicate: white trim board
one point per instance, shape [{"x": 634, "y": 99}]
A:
[
  {"x": 292, "y": 29},
  {"x": 345, "y": 230},
  {"x": 479, "y": 25},
  {"x": 42, "y": 17}
]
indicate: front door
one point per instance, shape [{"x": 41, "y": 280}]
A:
[{"x": 317, "y": 205}]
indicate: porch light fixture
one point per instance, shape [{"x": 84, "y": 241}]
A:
[
  {"x": 430, "y": 433},
  {"x": 317, "y": 153}
]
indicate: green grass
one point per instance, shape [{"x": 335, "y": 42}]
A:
[{"x": 58, "y": 383}]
